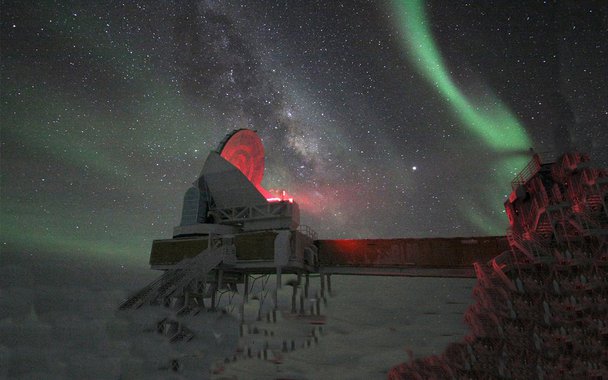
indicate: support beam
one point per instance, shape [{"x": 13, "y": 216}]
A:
[
  {"x": 186, "y": 298},
  {"x": 275, "y": 293},
  {"x": 294, "y": 290},
  {"x": 301, "y": 293},
  {"x": 218, "y": 286},
  {"x": 220, "y": 278},
  {"x": 244, "y": 298},
  {"x": 213, "y": 293},
  {"x": 246, "y": 293},
  {"x": 322, "y": 277}
]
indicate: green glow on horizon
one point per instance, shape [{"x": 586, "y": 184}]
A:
[
  {"x": 26, "y": 229},
  {"x": 48, "y": 122}
]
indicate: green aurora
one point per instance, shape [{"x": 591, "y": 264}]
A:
[
  {"x": 45, "y": 122},
  {"x": 488, "y": 120}
]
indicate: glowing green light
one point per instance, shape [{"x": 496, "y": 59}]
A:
[
  {"x": 72, "y": 133},
  {"x": 497, "y": 127},
  {"x": 489, "y": 120},
  {"x": 60, "y": 230}
]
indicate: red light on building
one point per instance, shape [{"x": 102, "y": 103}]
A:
[{"x": 279, "y": 196}]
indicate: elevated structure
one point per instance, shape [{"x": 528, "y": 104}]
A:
[
  {"x": 429, "y": 257},
  {"x": 233, "y": 230}
]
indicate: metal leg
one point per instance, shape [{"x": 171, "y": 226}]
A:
[
  {"x": 322, "y": 276},
  {"x": 263, "y": 294},
  {"x": 220, "y": 278},
  {"x": 301, "y": 293},
  {"x": 294, "y": 290},
  {"x": 245, "y": 297},
  {"x": 186, "y": 298},
  {"x": 213, "y": 293},
  {"x": 246, "y": 293},
  {"x": 201, "y": 289},
  {"x": 276, "y": 289}
]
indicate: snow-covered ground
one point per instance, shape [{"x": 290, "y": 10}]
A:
[{"x": 59, "y": 319}]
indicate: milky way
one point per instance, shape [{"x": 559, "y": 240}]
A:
[{"x": 383, "y": 119}]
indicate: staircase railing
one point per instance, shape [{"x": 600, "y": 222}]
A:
[
  {"x": 179, "y": 277},
  {"x": 527, "y": 172}
]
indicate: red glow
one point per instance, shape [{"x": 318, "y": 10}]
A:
[
  {"x": 290, "y": 200},
  {"x": 510, "y": 216},
  {"x": 279, "y": 196},
  {"x": 245, "y": 151}
]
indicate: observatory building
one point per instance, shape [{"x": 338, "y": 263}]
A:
[
  {"x": 233, "y": 230},
  {"x": 228, "y": 207}
]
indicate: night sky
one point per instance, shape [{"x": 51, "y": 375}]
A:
[{"x": 383, "y": 119}]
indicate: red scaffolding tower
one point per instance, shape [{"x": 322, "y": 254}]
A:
[{"x": 541, "y": 308}]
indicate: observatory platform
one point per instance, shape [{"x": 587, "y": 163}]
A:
[
  {"x": 228, "y": 203},
  {"x": 233, "y": 228}
]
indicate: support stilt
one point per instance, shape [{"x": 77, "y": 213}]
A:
[
  {"x": 245, "y": 297},
  {"x": 213, "y": 293},
  {"x": 246, "y": 293},
  {"x": 220, "y": 278},
  {"x": 200, "y": 291},
  {"x": 301, "y": 293},
  {"x": 218, "y": 287},
  {"x": 322, "y": 276},
  {"x": 275, "y": 294},
  {"x": 294, "y": 290}
]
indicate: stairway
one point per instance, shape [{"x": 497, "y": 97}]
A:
[
  {"x": 177, "y": 278},
  {"x": 544, "y": 228},
  {"x": 147, "y": 293},
  {"x": 517, "y": 242}
]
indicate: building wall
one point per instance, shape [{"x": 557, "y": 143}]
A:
[{"x": 433, "y": 252}]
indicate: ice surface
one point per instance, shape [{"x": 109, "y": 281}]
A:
[
  {"x": 59, "y": 319},
  {"x": 371, "y": 324}
]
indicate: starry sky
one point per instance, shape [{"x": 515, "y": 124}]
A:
[{"x": 382, "y": 118}]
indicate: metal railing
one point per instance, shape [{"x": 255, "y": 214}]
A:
[
  {"x": 308, "y": 231},
  {"x": 245, "y": 213},
  {"x": 527, "y": 172},
  {"x": 533, "y": 167}
]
